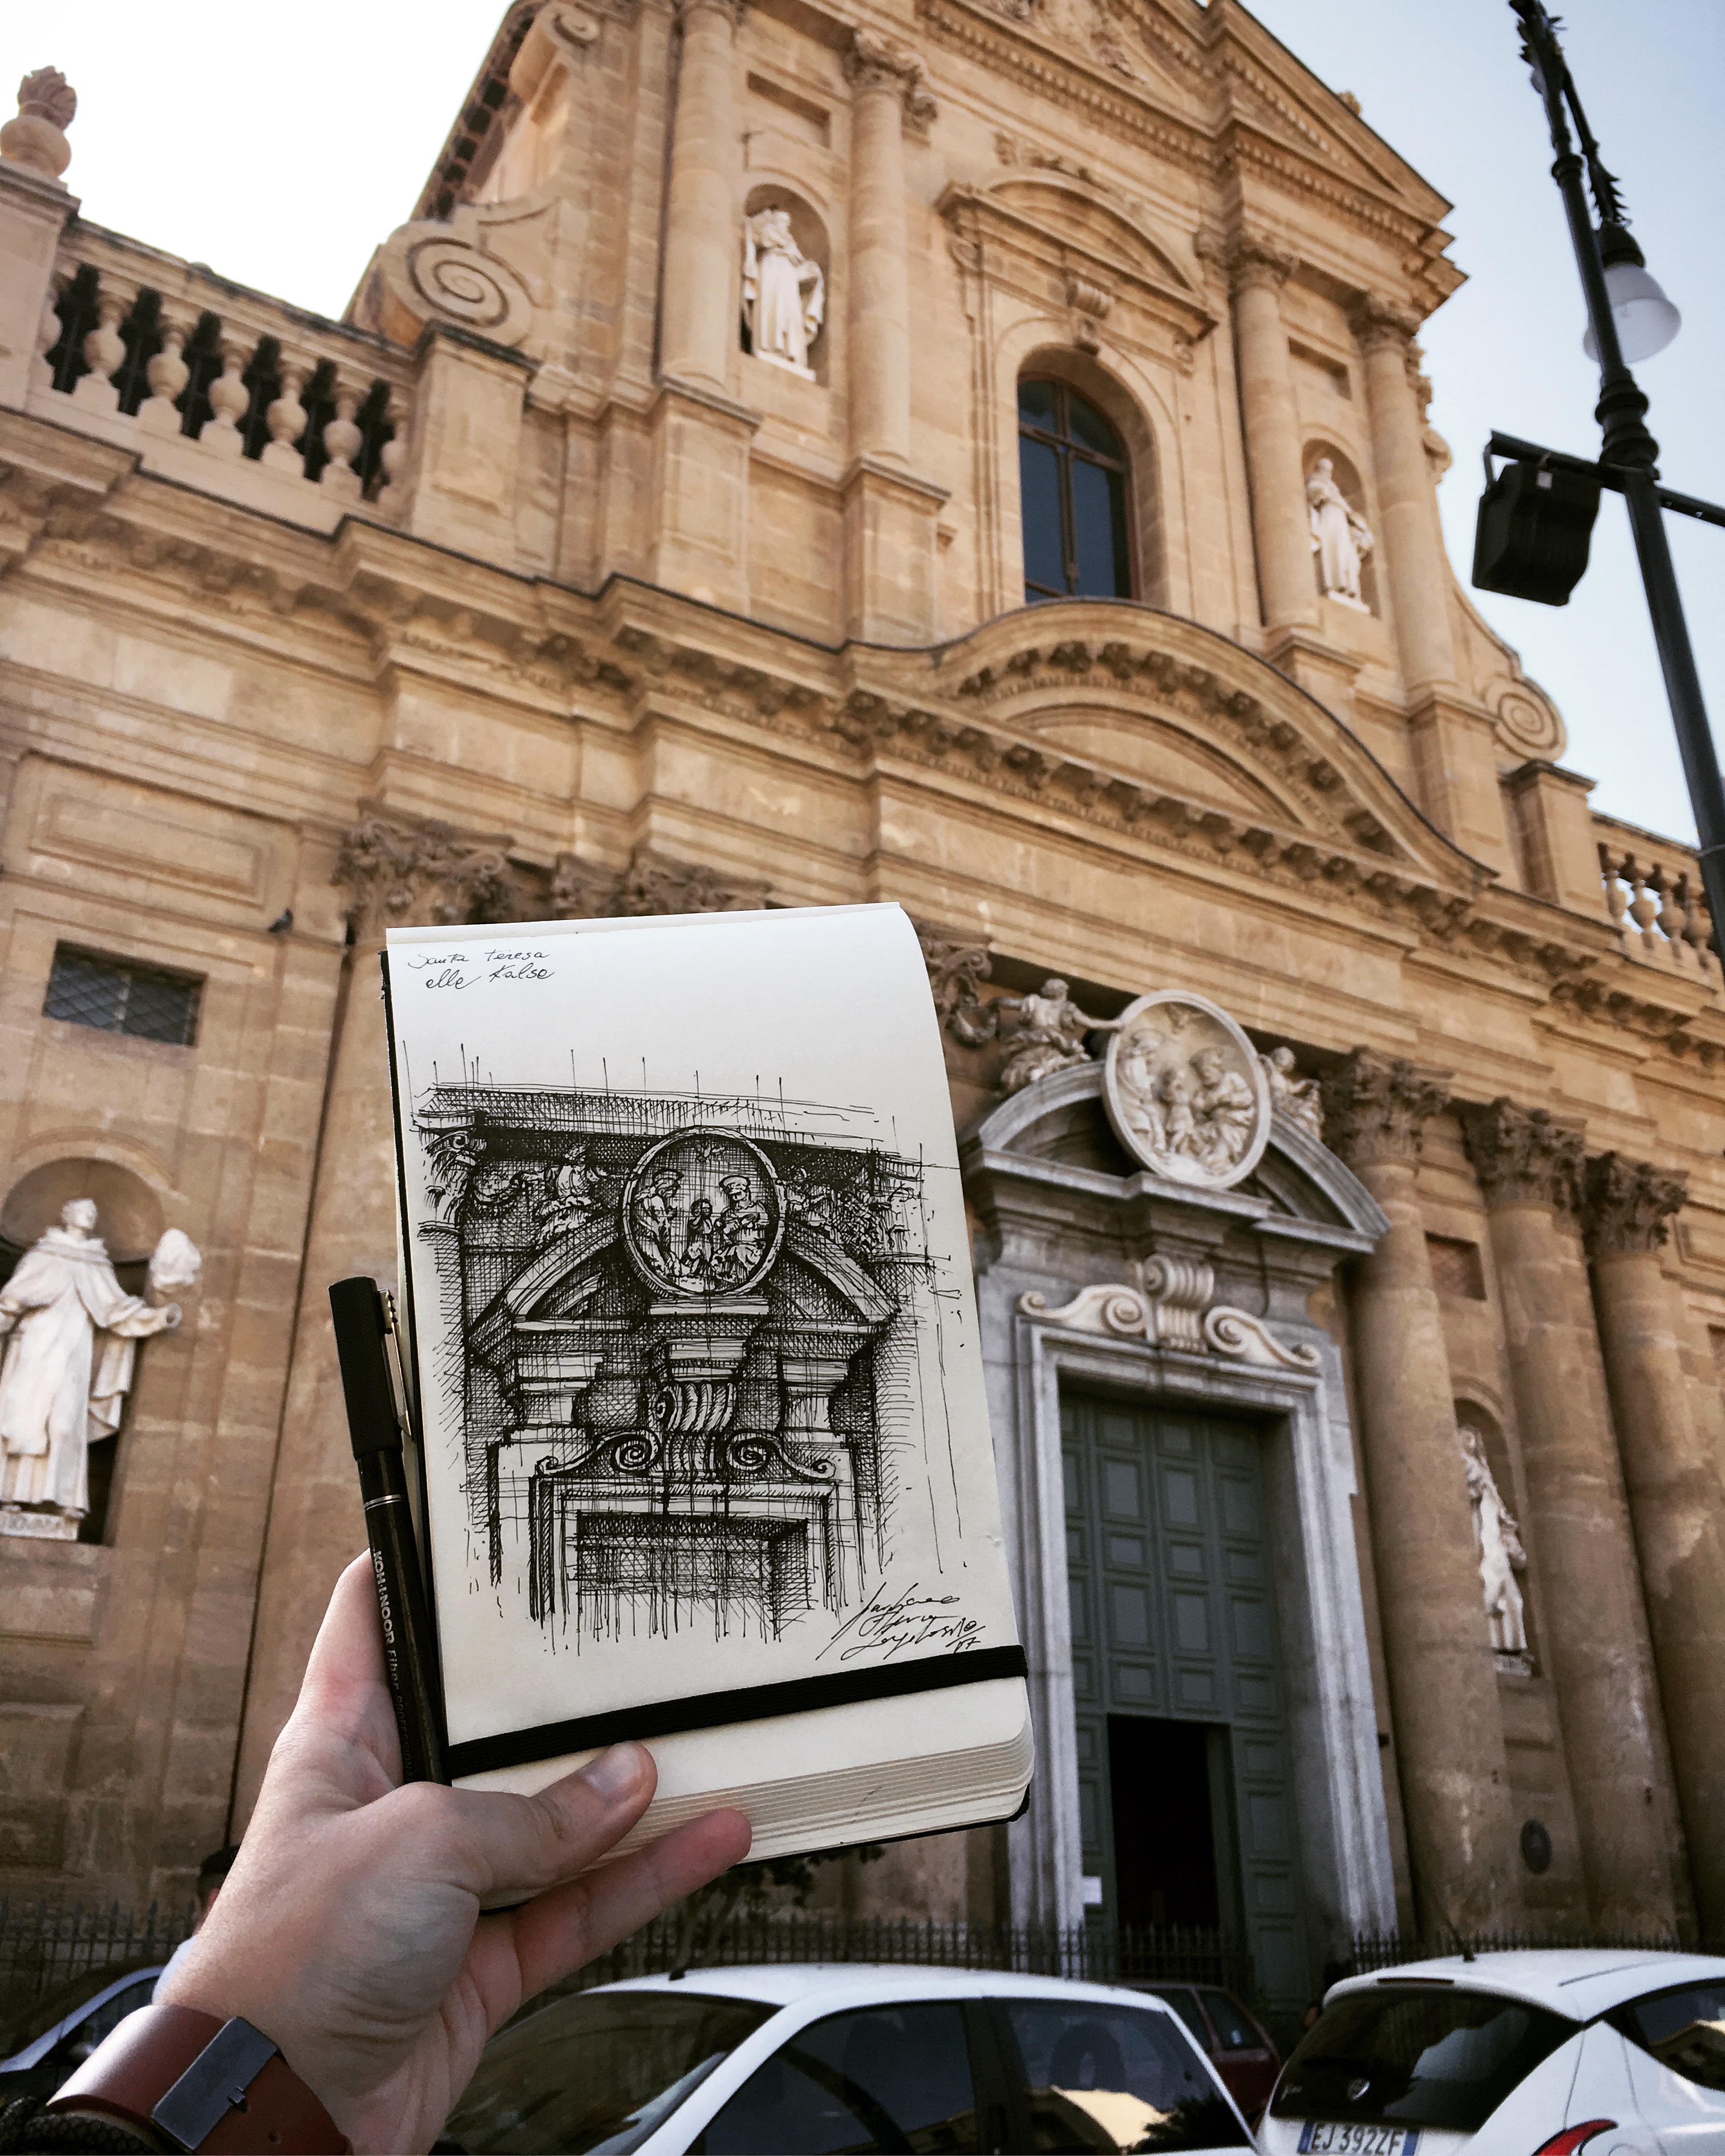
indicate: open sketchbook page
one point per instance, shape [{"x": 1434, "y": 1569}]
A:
[{"x": 691, "y": 1306}]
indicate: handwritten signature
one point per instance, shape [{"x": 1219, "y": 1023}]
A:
[
  {"x": 457, "y": 971},
  {"x": 910, "y": 1619}
]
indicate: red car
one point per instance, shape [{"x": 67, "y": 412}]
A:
[{"x": 1236, "y": 2043}]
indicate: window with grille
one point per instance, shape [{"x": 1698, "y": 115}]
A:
[
  {"x": 87, "y": 989},
  {"x": 1072, "y": 489}
]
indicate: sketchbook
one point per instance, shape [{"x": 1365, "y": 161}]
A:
[{"x": 704, "y": 1450}]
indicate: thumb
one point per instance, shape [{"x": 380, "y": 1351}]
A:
[{"x": 499, "y": 1844}]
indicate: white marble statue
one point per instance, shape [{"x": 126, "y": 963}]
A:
[
  {"x": 70, "y": 1333},
  {"x": 1050, "y": 1036},
  {"x": 783, "y": 293},
  {"x": 1499, "y": 1542},
  {"x": 1341, "y": 538},
  {"x": 1300, "y": 1099}
]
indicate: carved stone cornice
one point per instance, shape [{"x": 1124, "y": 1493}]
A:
[
  {"x": 409, "y": 871},
  {"x": 875, "y": 62},
  {"x": 1378, "y": 321},
  {"x": 1376, "y": 1107},
  {"x": 649, "y": 883},
  {"x": 1627, "y": 1205},
  {"x": 1525, "y": 1156}
]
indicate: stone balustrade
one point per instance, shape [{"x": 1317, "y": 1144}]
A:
[
  {"x": 222, "y": 388},
  {"x": 1653, "y": 894}
]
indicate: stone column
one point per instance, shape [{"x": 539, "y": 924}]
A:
[
  {"x": 1449, "y": 1733},
  {"x": 1529, "y": 1168},
  {"x": 401, "y": 872},
  {"x": 698, "y": 305},
  {"x": 1411, "y": 546},
  {"x": 1676, "y": 1500},
  {"x": 1281, "y": 526},
  {"x": 890, "y": 514}
]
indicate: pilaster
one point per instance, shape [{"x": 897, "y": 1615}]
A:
[
  {"x": 1529, "y": 1165},
  {"x": 1281, "y": 527},
  {"x": 466, "y": 446},
  {"x": 35, "y": 210}
]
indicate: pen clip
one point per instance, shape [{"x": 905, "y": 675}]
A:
[{"x": 396, "y": 1362}]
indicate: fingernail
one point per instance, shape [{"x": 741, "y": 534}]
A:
[{"x": 614, "y": 1773}]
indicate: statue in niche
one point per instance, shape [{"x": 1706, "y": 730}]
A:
[
  {"x": 783, "y": 293},
  {"x": 1498, "y": 1540},
  {"x": 1300, "y": 1099},
  {"x": 70, "y": 1333},
  {"x": 1049, "y": 1036},
  {"x": 1340, "y": 538}
]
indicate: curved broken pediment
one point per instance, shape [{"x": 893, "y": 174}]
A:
[{"x": 1070, "y": 206}]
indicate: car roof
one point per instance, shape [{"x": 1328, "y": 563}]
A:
[
  {"x": 1576, "y": 1982},
  {"x": 795, "y": 1983}
]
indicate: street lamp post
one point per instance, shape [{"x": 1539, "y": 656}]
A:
[{"x": 1628, "y": 454}]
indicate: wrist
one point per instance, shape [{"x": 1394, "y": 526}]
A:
[{"x": 196, "y": 2082}]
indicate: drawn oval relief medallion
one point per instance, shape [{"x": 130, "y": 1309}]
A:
[
  {"x": 1185, "y": 1092},
  {"x": 703, "y": 1215}
]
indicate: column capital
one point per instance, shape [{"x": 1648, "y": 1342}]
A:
[
  {"x": 733, "y": 11},
  {"x": 877, "y": 63},
  {"x": 1377, "y": 323},
  {"x": 1248, "y": 258},
  {"x": 1525, "y": 1156},
  {"x": 1627, "y": 1205},
  {"x": 405, "y": 871},
  {"x": 1376, "y": 1107}
]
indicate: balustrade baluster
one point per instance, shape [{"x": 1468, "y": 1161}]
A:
[
  {"x": 48, "y": 336},
  {"x": 1616, "y": 898},
  {"x": 286, "y": 416},
  {"x": 103, "y": 353},
  {"x": 392, "y": 458},
  {"x": 167, "y": 375},
  {"x": 1673, "y": 917},
  {"x": 341, "y": 440},
  {"x": 228, "y": 397},
  {"x": 1643, "y": 907}
]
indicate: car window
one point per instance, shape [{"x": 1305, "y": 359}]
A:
[
  {"x": 1683, "y": 2029},
  {"x": 885, "y": 2077},
  {"x": 1444, "y": 2058},
  {"x": 1099, "y": 2078},
  {"x": 41, "y": 2015},
  {"x": 596, "y": 2075},
  {"x": 1185, "y": 2004},
  {"x": 1235, "y": 2029},
  {"x": 102, "y": 2020}
]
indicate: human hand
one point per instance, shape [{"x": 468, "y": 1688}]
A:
[{"x": 349, "y": 1930}]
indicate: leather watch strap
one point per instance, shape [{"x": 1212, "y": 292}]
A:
[{"x": 177, "y": 2073}]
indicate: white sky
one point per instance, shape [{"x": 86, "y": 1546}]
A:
[{"x": 281, "y": 150}]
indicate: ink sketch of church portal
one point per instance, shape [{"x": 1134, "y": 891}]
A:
[{"x": 692, "y": 1310}]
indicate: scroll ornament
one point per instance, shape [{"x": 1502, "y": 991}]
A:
[{"x": 432, "y": 271}]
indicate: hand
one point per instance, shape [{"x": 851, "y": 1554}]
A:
[{"x": 349, "y": 1930}]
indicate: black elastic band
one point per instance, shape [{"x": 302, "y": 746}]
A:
[{"x": 670, "y": 1717}]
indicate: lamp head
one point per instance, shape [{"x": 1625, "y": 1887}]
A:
[{"x": 1646, "y": 320}]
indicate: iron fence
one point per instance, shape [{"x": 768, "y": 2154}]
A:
[
  {"x": 1374, "y": 1950},
  {"x": 43, "y": 1946}
]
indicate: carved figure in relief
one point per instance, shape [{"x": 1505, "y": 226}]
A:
[
  {"x": 783, "y": 293},
  {"x": 1301, "y": 1099},
  {"x": 1049, "y": 1036},
  {"x": 1498, "y": 1540},
  {"x": 1185, "y": 1090},
  {"x": 71, "y": 1353},
  {"x": 1226, "y": 1109},
  {"x": 1340, "y": 538}
]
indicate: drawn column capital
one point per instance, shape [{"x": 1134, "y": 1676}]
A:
[{"x": 403, "y": 871}]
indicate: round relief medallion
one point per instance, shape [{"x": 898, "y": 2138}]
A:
[
  {"x": 703, "y": 1215},
  {"x": 1185, "y": 1090}
]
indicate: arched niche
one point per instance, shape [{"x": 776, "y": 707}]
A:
[
  {"x": 809, "y": 230},
  {"x": 1083, "y": 374},
  {"x": 1345, "y": 474}
]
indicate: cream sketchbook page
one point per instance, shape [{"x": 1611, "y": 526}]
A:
[{"x": 690, "y": 1299}]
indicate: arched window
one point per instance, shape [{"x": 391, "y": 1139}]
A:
[{"x": 1072, "y": 494}]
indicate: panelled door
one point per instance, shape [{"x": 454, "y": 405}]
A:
[{"x": 1184, "y": 1774}]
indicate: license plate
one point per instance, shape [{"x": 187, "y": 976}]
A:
[{"x": 1334, "y": 2140}]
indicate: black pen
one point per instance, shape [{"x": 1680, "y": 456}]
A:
[{"x": 374, "y": 1425}]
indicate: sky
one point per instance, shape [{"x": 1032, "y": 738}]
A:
[{"x": 281, "y": 154}]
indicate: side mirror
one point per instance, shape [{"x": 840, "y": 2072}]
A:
[{"x": 1535, "y": 526}]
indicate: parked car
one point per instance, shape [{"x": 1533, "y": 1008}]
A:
[
  {"x": 1238, "y": 2045},
  {"x": 1529, "y": 2054},
  {"x": 801, "y": 2062},
  {"x": 48, "y": 2042}
]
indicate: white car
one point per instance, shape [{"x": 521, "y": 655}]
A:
[
  {"x": 801, "y": 2062},
  {"x": 1611, "y": 2054}
]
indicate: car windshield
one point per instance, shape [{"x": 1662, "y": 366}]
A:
[
  {"x": 1236, "y": 2030},
  {"x": 1112, "y": 2078},
  {"x": 1684, "y": 2029},
  {"x": 595, "y": 2074},
  {"x": 1416, "y": 2057}
]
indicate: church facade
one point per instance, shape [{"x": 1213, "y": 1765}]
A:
[{"x": 773, "y": 465}]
